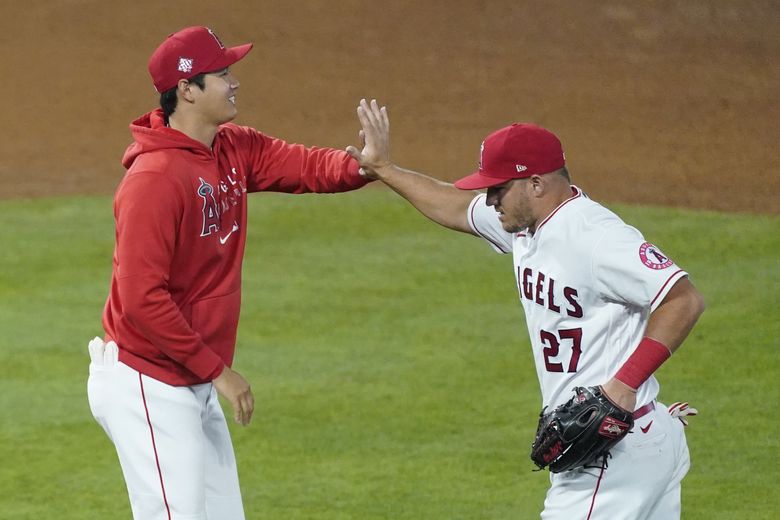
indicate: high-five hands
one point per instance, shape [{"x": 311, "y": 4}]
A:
[
  {"x": 374, "y": 138},
  {"x": 232, "y": 386}
]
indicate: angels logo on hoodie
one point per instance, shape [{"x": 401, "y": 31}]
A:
[{"x": 210, "y": 208}]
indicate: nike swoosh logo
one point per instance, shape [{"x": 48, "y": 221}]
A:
[
  {"x": 645, "y": 428},
  {"x": 224, "y": 239}
]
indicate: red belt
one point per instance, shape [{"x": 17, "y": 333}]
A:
[{"x": 646, "y": 409}]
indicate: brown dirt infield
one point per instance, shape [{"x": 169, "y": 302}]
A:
[{"x": 669, "y": 102}]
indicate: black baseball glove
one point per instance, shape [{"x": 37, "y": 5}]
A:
[{"x": 580, "y": 431}]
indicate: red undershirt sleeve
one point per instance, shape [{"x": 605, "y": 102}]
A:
[{"x": 292, "y": 168}]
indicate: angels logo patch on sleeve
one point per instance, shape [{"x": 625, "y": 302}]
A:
[{"x": 653, "y": 258}]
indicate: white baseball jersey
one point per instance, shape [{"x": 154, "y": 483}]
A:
[{"x": 587, "y": 282}]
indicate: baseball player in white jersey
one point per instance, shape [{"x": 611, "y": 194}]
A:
[{"x": 603, "y": 306}]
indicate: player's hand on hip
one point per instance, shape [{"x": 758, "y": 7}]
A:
[
  {"x": 374, "y": 138},
  {"x": 620, "y": 394},
  {"x": 232, "y": 386}
]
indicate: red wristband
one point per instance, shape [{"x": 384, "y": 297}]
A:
[{"x": 648, "y": 356}]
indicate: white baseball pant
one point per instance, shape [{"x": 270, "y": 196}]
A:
[
  {"x": 173, "y": 443},
  {"x": 641, "y": 481}
]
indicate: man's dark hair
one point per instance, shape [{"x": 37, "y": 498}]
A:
[
  {"x": 168, "y": 99},
  {"x": 563, "y": 172}
]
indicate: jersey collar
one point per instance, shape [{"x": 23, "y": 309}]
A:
[{"x": 576, "y": 194}]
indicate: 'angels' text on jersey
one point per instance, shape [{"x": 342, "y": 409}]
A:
[{"x": 536, "y": 287}]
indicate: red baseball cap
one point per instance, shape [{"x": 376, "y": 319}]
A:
[
  {"x": 190, "y": 52},
  {"x": 517, "y": 151}
]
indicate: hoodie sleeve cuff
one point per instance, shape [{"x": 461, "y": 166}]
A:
[{"x": 205, "y": 364}]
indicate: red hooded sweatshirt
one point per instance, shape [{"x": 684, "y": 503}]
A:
[{"x": 181, "y": 217}]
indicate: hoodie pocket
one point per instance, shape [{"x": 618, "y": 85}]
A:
[{"x": 216, "y": 320}]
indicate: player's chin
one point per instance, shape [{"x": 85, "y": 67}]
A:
[
  {"x": 229, "y": 116},
  {"x": 509, "y": 227},
  {"x": 231, "y": 111}
]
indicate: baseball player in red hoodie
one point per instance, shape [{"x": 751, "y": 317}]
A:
[{"x": 172, "y": 313}]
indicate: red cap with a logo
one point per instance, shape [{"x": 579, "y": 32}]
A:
[
  {"x": 190, "y": 52},
  {"x": 517, "y": 151}
]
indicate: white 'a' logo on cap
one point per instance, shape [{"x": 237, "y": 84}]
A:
[{"x": 481, "y": 149}]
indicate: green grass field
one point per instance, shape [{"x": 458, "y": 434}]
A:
[{"x": 389, "y": 361}]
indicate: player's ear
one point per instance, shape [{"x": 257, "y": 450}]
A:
[
  {"x": 537, "y": 184},
  {"x": 185, "y": 90}
]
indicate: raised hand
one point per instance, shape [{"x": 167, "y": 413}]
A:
[{"x": 374, "y": 138}]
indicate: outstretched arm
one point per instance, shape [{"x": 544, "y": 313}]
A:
[{"x": 439, "y": 201}]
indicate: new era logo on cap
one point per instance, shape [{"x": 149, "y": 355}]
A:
[
  {"x": 190, "y": 52},
  {"x": 517, "y": 151}
]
